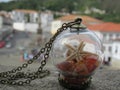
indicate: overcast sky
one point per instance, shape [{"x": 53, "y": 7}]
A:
[{"x": 4, "y": 0}]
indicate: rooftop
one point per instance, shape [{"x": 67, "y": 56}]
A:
[
  {"x": 93, "y": 23},
  {"x": 105, "y": 27},
  {"x": 85, "y": 19},
  {"x": 25, "y": 11}
]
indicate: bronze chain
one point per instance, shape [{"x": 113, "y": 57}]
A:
[{"x": 13, "y": 77}]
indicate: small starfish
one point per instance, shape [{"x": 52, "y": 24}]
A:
[{"x": 77, "y": 52}]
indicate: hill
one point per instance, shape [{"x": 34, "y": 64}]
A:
[{"x": 111, "y": 8}]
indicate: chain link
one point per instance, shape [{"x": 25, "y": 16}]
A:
[{"x": 14, "y": 76}]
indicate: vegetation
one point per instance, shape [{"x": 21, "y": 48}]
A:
[{"x": 111, "y": 7}]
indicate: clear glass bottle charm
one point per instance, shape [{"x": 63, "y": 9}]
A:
[{"x": 76, "y": 55}]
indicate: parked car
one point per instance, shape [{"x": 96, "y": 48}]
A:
[
  {"x": 2, "y": 44},
  {"x": 8, "y": 45}
]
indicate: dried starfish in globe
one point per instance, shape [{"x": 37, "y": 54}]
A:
[{"x": 77, "y": 52}]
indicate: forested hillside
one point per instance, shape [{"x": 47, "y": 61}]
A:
[{"x": 111, "y": 7}]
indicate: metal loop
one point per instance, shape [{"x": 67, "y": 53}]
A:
[
  {"x": 52, "y": 39},
  {"x": 47, "y": 44},
  {"x": 27, "y": 74},
  {"x": 43, "y": 63},
  {"x": 64, "y": 24},
  {"x": 2, "y": 81},
  {"x": 35, "y": 57},
  {"x": 13, "y": 77},
  {"x": 20, "y": 83},
  {"x": 40, "y": 69},
  {"x": 48, "y": 51},
  {"x": 38, "y": 72},
  {"x": 50, "y": 44},
  {"x": 13, "y": 71},
  {"x": 8, "y": 72},
  {"x": 30, "y": 61},
  {"x": 42, "y": 50},
  {"x": 27, "y": 81},
  {"x": 64, "y": 27},
  {"x": 6, "y": 82},
  {"x": 19, "y": 69},
  {"x": 5, "y": 75},
  {"x": 78, "y": 20},
  {"x": 24, "y": 65},
  {"x": 46, "y": 56},
  {"x": 58, "y": 31},
  {"x": 13, "y": 83},
  {"x": 32, "y": 78}
]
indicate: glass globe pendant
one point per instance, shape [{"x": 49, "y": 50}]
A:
[{"x": 77, "y": 53}]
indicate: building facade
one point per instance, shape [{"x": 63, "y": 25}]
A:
[
  {"x": 27, "y": 16},
  {"x": 28, "y": 20}
]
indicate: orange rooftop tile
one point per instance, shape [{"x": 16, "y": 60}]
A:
[
  {"x": 105, "y": 27},
  {"x": 85, "y": 19},
  {"x": 25, "y": 11}
]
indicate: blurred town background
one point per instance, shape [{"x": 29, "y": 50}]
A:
[{"x": 25, "y": 25}]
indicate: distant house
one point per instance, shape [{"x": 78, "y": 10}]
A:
[
  {"x": 46, "y": 20},
  {"x": 27, "y": 20},
  {"x": 22, "y": 15},
  {"x": 6, "y": 20},
  {"x": 111, "y": 38},
  {"x": 109, "y": 30},
  {"x": 86, "y": 20}
]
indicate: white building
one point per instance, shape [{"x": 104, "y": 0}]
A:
[
  {"x": 27, "y": 20},
  {"x": 107, "y": 50},
  {"x": 26, "y": 16},
  {"x": 46, "y": 20},
  {"x": 116, "y": 50},
  {"x": 111, "y": 36}
]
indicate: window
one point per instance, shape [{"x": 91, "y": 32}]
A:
[
  {"x": 110, "y": 49},
  {"x": 116, "y": 49}
]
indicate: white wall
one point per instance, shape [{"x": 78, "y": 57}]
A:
[
  {"x": 55, "y": 25},
  {"x": 17, "y": 16},
  {"x": 112, "y": 50},
  {"x": 1, "y": 22},
  {"x": 46, "y": 21},
  {"x": 107, "y": 51},
  {"x": 30, "y": 27},
  {"x": 19, "y": 26},
  {"x": 116, "y": 50}
]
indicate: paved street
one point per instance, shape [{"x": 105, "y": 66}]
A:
[{"x": 22, "y": 40}]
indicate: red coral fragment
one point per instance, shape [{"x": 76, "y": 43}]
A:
[
  {"x": 92, "y": 63},
  {"x": 66, "y": 66}
]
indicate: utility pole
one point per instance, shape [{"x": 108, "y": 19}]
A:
[
  {"x": 39, "y": 31},
  {"x": 39, "y": 23}
]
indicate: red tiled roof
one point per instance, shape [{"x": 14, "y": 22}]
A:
[
  {"x": 105, "y": 27},
  {"x": 93, "y": 24},
  {"x": 25, "y": 11},
  {"x": 85, "y": 19},
  {"x": 4, "y": 14}
]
